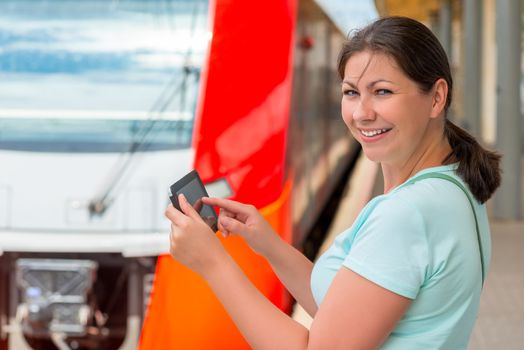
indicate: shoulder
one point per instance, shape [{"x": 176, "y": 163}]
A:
[
  {"x": 390, "y": 248},
  {"x": 428, "y": 197},
  {"x": 411, "y": 233},
  {"x": 396, "y": 209}
]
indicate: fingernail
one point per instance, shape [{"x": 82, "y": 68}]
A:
[{"x": 182, "y": 197}]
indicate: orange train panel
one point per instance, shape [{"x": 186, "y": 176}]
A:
[{"x": 184, "y": 313}]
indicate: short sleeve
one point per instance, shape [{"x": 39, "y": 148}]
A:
[{"x": 390, "y": 248}]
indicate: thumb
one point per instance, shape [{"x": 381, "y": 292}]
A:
[
  {"x": 232, "y": 225},
  {"x": 187, "y": 208}
]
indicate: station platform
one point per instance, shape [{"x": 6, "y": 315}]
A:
[{"x": 500, "y": 323}]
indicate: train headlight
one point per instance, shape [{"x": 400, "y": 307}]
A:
[
  {"x": 54, "y": 295},
  {"x": 219, "y": 188}
]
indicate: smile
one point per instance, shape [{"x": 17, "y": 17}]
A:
[{"x": 371, "y": 133}]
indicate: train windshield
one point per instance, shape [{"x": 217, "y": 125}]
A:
[{"x": 99, "y": 75}]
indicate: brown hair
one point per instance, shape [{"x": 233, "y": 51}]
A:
[{"x": 419, "y": 54}]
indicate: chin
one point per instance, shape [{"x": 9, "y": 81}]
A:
[{"x": 373, "y": 156}]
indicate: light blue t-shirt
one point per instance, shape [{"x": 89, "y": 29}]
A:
[{"x": 418, "y": 241}]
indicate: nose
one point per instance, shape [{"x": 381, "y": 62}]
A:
[{"x": 363, "y": 110}]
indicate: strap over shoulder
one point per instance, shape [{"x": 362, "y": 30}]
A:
[{"x": 435, "y": 175}]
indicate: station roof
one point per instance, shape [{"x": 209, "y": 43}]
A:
[{"x": 418, "y": 9}]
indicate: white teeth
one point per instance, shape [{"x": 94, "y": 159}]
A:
[{"x": 373, "y": 132}]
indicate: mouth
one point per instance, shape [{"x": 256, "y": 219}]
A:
[{"x": 373, "y": 132}]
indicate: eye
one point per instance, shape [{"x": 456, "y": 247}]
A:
[
  {"x": 383, "y": 92},
  {"x": 350, "y": 92}
]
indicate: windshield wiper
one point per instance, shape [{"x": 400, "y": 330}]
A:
[{"x": 101, "y": 202}]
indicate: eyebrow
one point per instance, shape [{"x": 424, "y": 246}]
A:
[{"x": 370, "y": 85}]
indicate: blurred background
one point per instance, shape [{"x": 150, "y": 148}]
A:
[{"x": 105, "y": 103}]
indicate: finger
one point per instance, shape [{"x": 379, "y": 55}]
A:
[
  {"x": 172, "y": 241},
  {"x": 222, "y": 229},
  {"x": 232, "y": 206},
  {"x": 187, "y": 208},
  {"x": 231, "y": 225},
  {"x": 174, "y": 215},
  {"x": 224, "y": 212}
]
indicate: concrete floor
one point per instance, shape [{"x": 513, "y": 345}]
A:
[{"x": 500, "y": 323}]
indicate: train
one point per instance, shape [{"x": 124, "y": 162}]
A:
[{"x": 103, "y": 105}]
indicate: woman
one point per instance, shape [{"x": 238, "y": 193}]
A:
[{"x": 408, "y": 273}]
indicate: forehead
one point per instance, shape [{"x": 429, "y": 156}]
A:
[{"x": 368, "y": 65}]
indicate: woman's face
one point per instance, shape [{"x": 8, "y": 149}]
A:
[{"x": 384, "y": 110}]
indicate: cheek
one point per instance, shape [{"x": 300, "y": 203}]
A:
[{"x": 346, "y": 109}]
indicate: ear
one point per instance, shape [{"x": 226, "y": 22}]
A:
[{"x": 440, "y": 96}]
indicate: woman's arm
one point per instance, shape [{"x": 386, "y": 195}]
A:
[
  {"x": 355, "y": 314},
  {"x": 262, "y": 324},
  {"x": 289, "y": 264}
]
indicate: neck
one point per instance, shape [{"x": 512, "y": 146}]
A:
[{"x": 427, "y": 156}]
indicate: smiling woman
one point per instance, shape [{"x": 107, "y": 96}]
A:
[
  {"x": 416, "y": 60},
  {"x": 395, "y": 121},
  {"x": 400, "y": 277}
]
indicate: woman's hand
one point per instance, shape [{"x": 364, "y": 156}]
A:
[
  {"x": 246, "y": 221},
  {"x": 192, "y": 242}
]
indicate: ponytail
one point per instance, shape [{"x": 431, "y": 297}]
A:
[{"x": 478, "y": 167}]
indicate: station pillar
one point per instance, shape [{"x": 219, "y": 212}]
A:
[
  {"x": 472, "y": 14},
  {"x": 508, "y": 201},
  {"x": 445, "y": 18}
]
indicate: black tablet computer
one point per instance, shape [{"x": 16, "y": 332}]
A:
[{"x": 192, "y": 187}]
